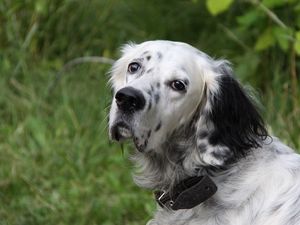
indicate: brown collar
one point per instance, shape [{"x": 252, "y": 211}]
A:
[{"x": 187, "y": 194}]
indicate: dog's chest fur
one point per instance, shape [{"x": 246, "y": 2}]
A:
[{"x": 261, "y": 189}]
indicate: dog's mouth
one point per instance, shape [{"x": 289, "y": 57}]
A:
[{"x": 121, "y": 131}]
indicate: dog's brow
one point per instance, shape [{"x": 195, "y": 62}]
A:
[
  {"x": 148, "y": 57},
  {"x": 140, "y": 60}
]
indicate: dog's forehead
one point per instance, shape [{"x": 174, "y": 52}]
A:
[
  {"x": 160, "y": 61},
  {"x": 165, "y": 50},
  {"x": 165, "y": 55}
]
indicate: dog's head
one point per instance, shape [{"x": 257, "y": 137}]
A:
[{"x": 162, "y": 88}]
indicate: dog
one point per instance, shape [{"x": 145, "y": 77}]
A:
[{"x": 201, "y": 144}]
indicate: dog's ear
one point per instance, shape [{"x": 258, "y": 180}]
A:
[{"x": 230, "y": 123}]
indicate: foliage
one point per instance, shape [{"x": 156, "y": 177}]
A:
[
  {"x": 56, "y": 163},
  {"x": 215, "y": 7},
  {"x": 276, "y": 32}
]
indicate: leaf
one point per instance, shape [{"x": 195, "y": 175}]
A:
[
  {"x": 282, "y": 37},
  {"x": 249, "y": 18},
  {"x": 265, "y": 40},
  {"x": 41, "y": 7},
  {"x": 297, "y": 43},
  {"x": 217, "y": 6}
]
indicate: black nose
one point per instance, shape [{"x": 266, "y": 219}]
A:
[{"x": 130, "y": 99}]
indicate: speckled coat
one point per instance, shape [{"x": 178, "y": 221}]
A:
[{"x": 188, "y": 116}]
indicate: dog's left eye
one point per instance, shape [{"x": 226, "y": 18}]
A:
[
  {"x": 178, "y": 85},
  {"x": 133, "y": 67}
]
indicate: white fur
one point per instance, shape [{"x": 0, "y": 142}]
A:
[{"x": 260, "y": 188}]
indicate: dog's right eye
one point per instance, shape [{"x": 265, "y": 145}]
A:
[
  {"x": 133, "y": 67},
  {"x": 178, "y": 85}
]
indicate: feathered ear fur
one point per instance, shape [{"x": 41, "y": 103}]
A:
[{"x": 229, "y": 124}]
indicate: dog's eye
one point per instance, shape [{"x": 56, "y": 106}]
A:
[
  {"x": 178, "y": 85},
  {"x": 133, "y": 67}
]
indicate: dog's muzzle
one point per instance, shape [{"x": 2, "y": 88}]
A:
[{"x": 129, "y": 100}]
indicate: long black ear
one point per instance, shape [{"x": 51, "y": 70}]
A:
[{"x": 236, "y": 121}]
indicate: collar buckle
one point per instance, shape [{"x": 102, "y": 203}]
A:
[{"x": 162, "y": 197}]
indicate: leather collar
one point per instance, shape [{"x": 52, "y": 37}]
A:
[{"x": 187, "y": 194}]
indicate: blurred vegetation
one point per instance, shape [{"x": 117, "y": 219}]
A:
[{"x": 56, "y": 163}]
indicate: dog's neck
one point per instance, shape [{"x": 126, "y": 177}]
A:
[
  {"x": 189, "y": 151},
  {"x": 176, "y": 160},
  {"x": 158, "y": 172}
]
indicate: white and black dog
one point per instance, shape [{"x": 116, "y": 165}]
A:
[{"x": 201, "y": 144}]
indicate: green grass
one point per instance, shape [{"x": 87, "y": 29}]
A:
[{"x": 56, "y": 163}]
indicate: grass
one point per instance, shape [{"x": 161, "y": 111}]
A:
[{"x": 56, "y": 163}]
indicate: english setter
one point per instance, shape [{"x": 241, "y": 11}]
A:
[{"x": 201, "y": 144}]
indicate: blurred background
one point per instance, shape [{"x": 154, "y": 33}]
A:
[{"x": 57, "y": 165}]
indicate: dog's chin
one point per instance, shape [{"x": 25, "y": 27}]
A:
[
  {"x": 140, "y": 145},
  {"x": 122, "y": 131}
]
